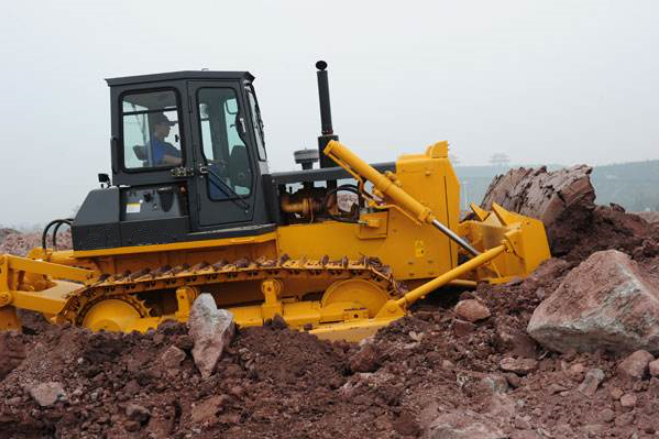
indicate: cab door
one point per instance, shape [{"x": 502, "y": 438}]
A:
[{"x": 225, "y": 172}]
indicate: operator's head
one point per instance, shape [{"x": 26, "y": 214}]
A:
[{"x": 161, "y": 125}]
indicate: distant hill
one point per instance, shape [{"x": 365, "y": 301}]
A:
[{"x": 634, "y": 186}]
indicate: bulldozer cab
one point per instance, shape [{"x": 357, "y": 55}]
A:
[{"x": 188, "y": 156}]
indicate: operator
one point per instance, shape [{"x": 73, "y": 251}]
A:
[{"x": 164, "y": 153}]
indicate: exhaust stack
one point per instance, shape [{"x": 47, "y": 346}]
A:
[{"x": 327, "y": 133}]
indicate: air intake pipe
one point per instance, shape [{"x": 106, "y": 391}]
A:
[{"x": 327, "y": 133}]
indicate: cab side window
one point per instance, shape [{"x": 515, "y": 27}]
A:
[
  {"x": 151, "y": 137},
  {"x": 223, "y": 145}
]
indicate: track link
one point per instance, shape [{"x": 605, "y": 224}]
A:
[{"x": 167, "y": 278}]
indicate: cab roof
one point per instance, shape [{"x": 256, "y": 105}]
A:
[{"x": 184, "y": 74}]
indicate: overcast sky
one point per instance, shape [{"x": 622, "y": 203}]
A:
[{"x": 555, "y": 81}]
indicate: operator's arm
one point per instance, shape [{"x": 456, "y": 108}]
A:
[
  {"x": 165, "y": 154},
  {"x": 170, "y": 160}
]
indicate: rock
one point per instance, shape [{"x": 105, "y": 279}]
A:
[
  {"x": 463, "y": 424},
  {"x": 162, "y": 423},
  {"x": 211, "y": 330},
  {"x": 138, "y": 413},
  {"x": 371, "y": 380},
  {"x": 624, "y": 420},
  {"x": 367, "y": 359},
  {"x": 594, "y": 430},
  {"x": 206, "y": 411},
  {"x": 514, "y": 341},
  {"x": 607, "y": 415},
  {"x": 462, "y": 328},
  {"x": 513, "y": 380},
  {"x": 416, "y": 336},
  {"x": 472, "y": 310},
  {"x": 500, "y": 407},
  {"x": 616, "y": 393},
  {"x": 653, "y": 367},
  {"x": 555, "y": 388},
  {"x": 635, "y": 367},
  {"x": 591, "y": 382},
  {"x": 606, "y": 303},
  {"x": 522, "y": 422},
  {"x": 47, "y": 394},
  {"x": 278, "y": 322},
  {"x": 495, "y": 383},
  {"x": 520, "y": 366},
  {"x": 172, "y": 358},
  {"x": 538, "y": 193},
  {"x": 628, "y": 400},
  {"x": 577, "y": 369}
]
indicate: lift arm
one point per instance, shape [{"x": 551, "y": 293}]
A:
[{"x": 26, "y": 284}]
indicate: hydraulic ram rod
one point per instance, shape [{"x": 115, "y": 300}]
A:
[
  {"x": 419, "y": 292},
  {"x": 352, "y": 163}
]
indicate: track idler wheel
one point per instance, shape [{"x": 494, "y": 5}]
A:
[
  {"x": 351, "y": 292},
  {"x": 114, "y": 314}
]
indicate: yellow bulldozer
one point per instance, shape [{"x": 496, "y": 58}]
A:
[{"x": 340, "y": 249}]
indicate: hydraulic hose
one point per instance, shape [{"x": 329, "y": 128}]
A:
[{"x": 57, "y": 223}]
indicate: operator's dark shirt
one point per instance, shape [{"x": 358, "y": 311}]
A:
[{"x": 160, "y": 149}]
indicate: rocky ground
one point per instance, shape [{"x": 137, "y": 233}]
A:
[{"x": 464, "y": 365}]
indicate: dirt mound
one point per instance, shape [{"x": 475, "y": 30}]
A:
[
  {"x": 579, "y": 232},
  {"x": 4, "y": 232},
  {"x": 16, "y": 243},
  {"x": 275, "y": 382},
  {"x": 266, "y": 373},
  {"x": 651, "y": 217}
]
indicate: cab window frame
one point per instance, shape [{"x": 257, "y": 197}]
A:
[
  {"x": 181, "y": 130},
  {"x": 257, "y": 123}
]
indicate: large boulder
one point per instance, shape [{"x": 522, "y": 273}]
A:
[
  {"x": 211, "y": 329},
  {"x": 564, "y": 200},
  {"x": 541, "y": 194},
  {"x": 607, "y": 302}
]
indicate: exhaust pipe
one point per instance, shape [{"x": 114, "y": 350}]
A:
[{"x": 327, "y": 131}]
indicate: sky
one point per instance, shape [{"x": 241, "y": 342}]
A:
[{"x": 545, "y": 81}]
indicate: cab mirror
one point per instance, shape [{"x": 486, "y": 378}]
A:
[{"x": 104, "y": 179}]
